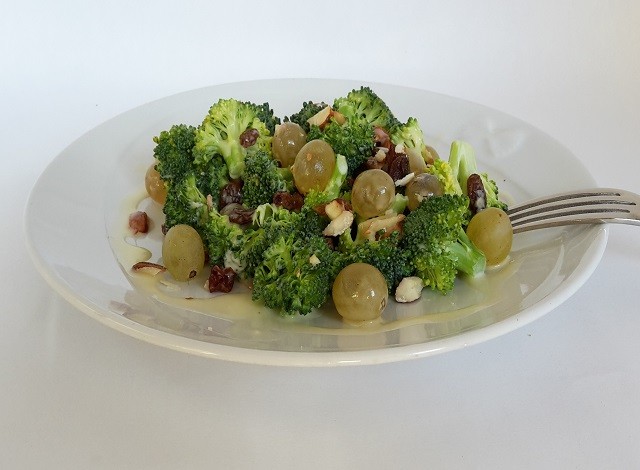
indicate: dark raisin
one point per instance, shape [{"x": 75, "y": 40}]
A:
[
  {"x": 231, "y": 193},
  {"x": 477, "y": 194},
  {"x": 221, "y": 279},
  {"x": 289, "y": 201},
  {"x": 399, "y": 167},
  {"x": 249, "y": 137}
]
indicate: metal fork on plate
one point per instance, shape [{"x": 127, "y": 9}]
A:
[{"x": 588, "y": 206}]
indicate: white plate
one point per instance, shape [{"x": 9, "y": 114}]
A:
[{"x": 78, "y": 209}]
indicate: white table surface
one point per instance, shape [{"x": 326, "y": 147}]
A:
[{"x": 562, "y": 392}]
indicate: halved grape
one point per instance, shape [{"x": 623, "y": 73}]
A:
[
  {"x": 287, "y": 141},
  {"x": 360, "y": 292},
  {"x": 372, "y": 193},
  {"x": 490, "y": 230},
  {"x": 313, "y": 166},
  {"x": 183, "y": 252}
]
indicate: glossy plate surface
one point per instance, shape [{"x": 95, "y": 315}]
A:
[{"x": 77, "y": 214}]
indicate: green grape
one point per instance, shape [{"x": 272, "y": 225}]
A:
[
  {"x": 313, "y": 166},
  {"x": 422, "y": 186},
  {"x": 360, "y": 292},
  {"x": 183, "y": 252},
  {"x": 372, "y": 193},
  {"x": 490, "y": 230},
  {"x": 154, "y": 185},
  {"x": 287, "y": 141}
]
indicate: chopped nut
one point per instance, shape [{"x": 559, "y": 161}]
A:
[
  {"x": 139, "y": 222},
  {"x": 409, "y": 289},
  {"x": 380, "y": 155},
  {"x": 314, "y": 260},
  {"x": 321, "y": 117},
  {"x": 380, "y": 227},
  {"x": 324, "y": 116},
  {"x": 335, "y": 208},
  {"x": 339, "y": 225},
  {"x": 338, "y": 117},
  {"x": 146, "y": 267},
  {"x": 404, "y": 181}
]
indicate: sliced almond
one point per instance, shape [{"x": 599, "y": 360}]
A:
[
  {"x": 380, "y": 227},
  {"x": 409, "y": 289},
  {"x": 334, "y": 208},
  {"x": 339, "y": 225},
  {"x": 338, "y": 117},
  {"x": 321, "y": 117},
  {"x": 146, "y": 267},
  {"x": 405, "y": 181}
]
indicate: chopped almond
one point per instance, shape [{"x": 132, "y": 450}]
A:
[
  {"x": 380, "y": 227},
  {"x": 339, "y": 225},
  {"x": 146, "y": 267},
  {"x": 321, "y": 117}
]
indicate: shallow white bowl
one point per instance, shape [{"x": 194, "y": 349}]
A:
[{"x": 77, "y": 213}]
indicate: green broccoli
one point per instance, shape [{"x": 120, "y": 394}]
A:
[
  {"x": 462, "y": 159},
  {"x": 443, "y": 171},
  {"x": 173, "y": 152},
  {"x": 363, "y": 105},
  {"x": 222, "y": 130},
  {"x": 267, "y": 116},
  {"x": 295, "y": 275},
  {"x": 262, "y": 179},
  {"x": 188, "y": 184},
  {"x": 309, "y": 109},
  {"x": 185, "y": 203},
  {"x": 410, "y": 136},
  {"x": 434, "y": 233},
  {"x": 218, "y": 235},
  {"x": 334, "y": 187},
  {"x": 355, "y": 140},
  {"x": 269, "y": 223}
]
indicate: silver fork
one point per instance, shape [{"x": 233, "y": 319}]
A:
[{"x": 588, "y": 206}]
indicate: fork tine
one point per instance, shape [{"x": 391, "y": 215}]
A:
[{"x": 579, "y": 207}]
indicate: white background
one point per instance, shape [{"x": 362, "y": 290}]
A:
[{"x": 559, "y": 393}]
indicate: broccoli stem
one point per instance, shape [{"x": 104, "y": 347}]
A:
[{"x": 468, "y": 258}]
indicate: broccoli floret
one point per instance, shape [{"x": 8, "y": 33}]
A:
[
  {"x": 295, "y": 275},
  {"x": 399, "y": 204},
  {"x": 434, "y": 233},
  {"x": 173, "y": 152},
  {"x": 363, "y": 105},
  {"x": 219, "y": 234},
  {"x": 185, "y": 203},
  {"x": 334, "y": 187},
  {"x": 221, "y": 131},
  {"x": 267, "y": 116},
  {"x": 410, "y": 136},
  {"x": 269, "y": 223},
  {"x": 212, "y": 177},
  {"x": 188, "y": 184},
  {"x": 443, "y": 171},
  {"x": 309, "y": 109},
  {"x": 462, "y": 159},
  {"x": 385, "y": 254},
  {"x": 355, "y": 140},
  {"x": 262, "y": 179}
]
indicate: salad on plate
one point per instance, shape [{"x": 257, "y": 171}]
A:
[{"x": 340, "y": 202}]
